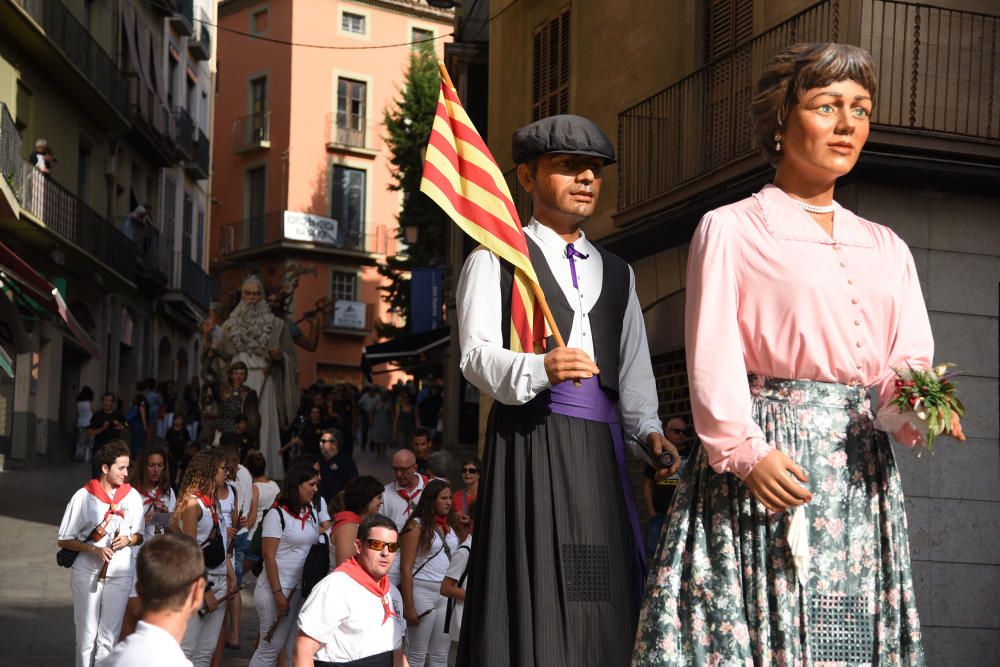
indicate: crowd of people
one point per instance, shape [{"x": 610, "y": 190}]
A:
[{"x": 159, "y": 470}]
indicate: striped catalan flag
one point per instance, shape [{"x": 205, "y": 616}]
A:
[{"x": 462, "y": 177}]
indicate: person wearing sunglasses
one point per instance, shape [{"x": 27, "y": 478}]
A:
[
  {"x": 337, "y": 467},
  {"x": 170, "y": 581},
  {"x": 463, "y": 499},
  {"x": 355, "y": 614}
]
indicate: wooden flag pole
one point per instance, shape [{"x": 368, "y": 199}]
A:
[{"x": 446, "y": 77}]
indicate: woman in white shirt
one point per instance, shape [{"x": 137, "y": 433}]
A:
[
  {"x": 84, "y": 413},
  {"x": 151, "y": 479},
  {"x": 428, "y": 540},
  {"x": 102, "y": 521},
  {"x": 288, "y": 532},
  {"x": 265, "y": 491},
  {"x": 197, "y": 515}
]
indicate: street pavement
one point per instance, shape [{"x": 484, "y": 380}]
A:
[{"x": 36, "y": 605}]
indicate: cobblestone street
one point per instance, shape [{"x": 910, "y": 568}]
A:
[{"x": 36, "y": 606}]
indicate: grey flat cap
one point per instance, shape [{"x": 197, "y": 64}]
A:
[{"x": 562, "y": 134}]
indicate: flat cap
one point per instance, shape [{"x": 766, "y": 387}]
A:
[{"x": 565, "y": 133}]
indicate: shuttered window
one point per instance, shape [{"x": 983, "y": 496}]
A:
[
  {"x": 728, "y": 24},
  {"x": 550, "y": 66}
]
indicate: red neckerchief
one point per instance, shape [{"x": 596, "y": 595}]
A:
[
  {"x": 379, "y": 589},
  {"x": 340, "y": 518},
  {"x": 154, "y": 498},
  {"x": 209, "y": 503},
  {"x": 95, "y": 489},
  {"x": 302, "y": 516},
  {"x": 442, "y": 523},
  {"x": 411, "y": 496}
]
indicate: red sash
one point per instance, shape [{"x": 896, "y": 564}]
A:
[{"x": 379, "y": 589}]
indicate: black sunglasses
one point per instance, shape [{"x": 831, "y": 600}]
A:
[
  {"x": 378, "y": 545},
  {"x": 470, "y": 471},
  {"x": 676, "y": 430},
  {"x": 327, "y": 440}
]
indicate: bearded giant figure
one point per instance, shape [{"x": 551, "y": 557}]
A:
[{"x": 253, "y": 335}]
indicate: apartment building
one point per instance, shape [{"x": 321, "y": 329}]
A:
[
  {"x": 671, "y": 84},
  {"x": 120, "y": 91},
  {"x": 302, "y": 169}
]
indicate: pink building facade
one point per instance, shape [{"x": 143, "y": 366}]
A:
[{"x": 301, "y": 168}]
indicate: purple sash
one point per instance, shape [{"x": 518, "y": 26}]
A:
[{"x": 588, "y": 401}]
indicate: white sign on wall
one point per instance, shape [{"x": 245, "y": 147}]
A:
[
  {"x": 349, "y": 314},
  {"x": 309, "y": 227}
]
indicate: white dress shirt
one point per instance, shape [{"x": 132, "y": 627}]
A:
[
  {"x": 514, "y": 378},
  {"x": 149, "y": 646}
]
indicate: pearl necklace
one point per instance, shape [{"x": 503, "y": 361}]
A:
[{"x": 812, "y": 208}]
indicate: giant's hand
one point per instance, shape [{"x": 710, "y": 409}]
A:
[
  {"x": 770, "y": 484},
  {"x": 657, "y": 444},
  {"x": 569, "y": 363}
]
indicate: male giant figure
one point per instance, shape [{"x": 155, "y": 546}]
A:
[
  {"x": 253, "y": 335},
  {"x": 556, "y": 565}
]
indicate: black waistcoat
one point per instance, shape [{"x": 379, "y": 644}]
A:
[{"x": 606, "y": 317}]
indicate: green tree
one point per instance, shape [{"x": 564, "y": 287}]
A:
[{"x": 408, "y": 123}]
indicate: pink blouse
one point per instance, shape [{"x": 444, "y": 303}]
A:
[{"x": 769, "y": 292}]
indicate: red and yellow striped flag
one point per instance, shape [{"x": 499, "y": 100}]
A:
[{"x": 462, "y": 177}]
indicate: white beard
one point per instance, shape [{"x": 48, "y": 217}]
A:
[{"x": 248, "y": 327}]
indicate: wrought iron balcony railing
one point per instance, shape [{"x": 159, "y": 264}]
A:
[
  {"x": 185, "y": 133},
  {"x": 153, "y": 260},
  {"x": 194, "y": 282},
  {"x": 252, "y": 132},
  {"x": 200, "y": 43},
  {"x": 198, "y": 166},
  {"x": 80, "y": 48},
  {"x": 937, "y": 76},
  {"x": 10, "y": 151},
  {"x": 71, "y": 218},
  {"x": 276, "y": 229}
]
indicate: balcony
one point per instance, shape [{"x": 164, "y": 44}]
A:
[
  {"x": 354, "y": 318},
  {"x": 351, "y": 137},
  {"x": 185, "y": 137},
  {"x": 183, "y": 19},
  {"x": 153, "y": 260},
  {"x": 10, "y": 154},
  {"x": 936, "y": 82},
  {"x": 75, "y": 43},
  {"x": 152, "y": 122},
  {"x": 198, "y": 167},
  {"x": 164, "y": 7},
  {"x": 291, "y": 229},
  {"x": 70, "y": 218},
  {"x": 193, "y": 282},
  {"x": 253, "y": 132},
  {"x": 200, "y": 42}
]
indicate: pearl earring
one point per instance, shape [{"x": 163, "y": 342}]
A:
[{"x": 777, "y": 142}]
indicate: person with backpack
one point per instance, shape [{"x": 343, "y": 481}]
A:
[
  {"x": 197, "y": 515},
  {"x": 288, "y": 531}
]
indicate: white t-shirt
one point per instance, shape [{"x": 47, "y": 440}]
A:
[
  {"x": 266, "y": 493},
  {"x": 346, "y": 618},
  {"x": 244, "y": 491},
  {"x": 82, "y": 515},
  {"x": 203, "y": 531},
  {"x": 84, "y": 413},
  {"x": 148, "y": 646},
  {"x": 293, "y": 546},
  {"x": 459, "y": 561},
  {"x": 395, "y": 506},
  {"x": 437, "y": 558},
  {"x": 226, "y": 506}
]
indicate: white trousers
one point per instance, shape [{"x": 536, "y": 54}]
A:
[
  {"x": 285, "y": 632},
  {"x": 202, "y": 634},
  {"x": 98, "y": 611},
  {"x": 428, "y": 640}
]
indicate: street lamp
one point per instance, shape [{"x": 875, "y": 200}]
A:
[{"x": 411, "y": 232}]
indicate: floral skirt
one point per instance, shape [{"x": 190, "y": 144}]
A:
[{"x": 722, "y": 588}]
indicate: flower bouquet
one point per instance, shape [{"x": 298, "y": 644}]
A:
[{"x": 924, "y": 406}]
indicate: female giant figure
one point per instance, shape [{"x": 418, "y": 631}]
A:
[{"x": 796, "y": 308}]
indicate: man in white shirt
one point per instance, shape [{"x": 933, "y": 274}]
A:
[
  {"x": 403, "y": 493},
  {"x": 557, "y": 552},
  {"x": 170, "y": 571},
  {"x": 354, "y": 616}
]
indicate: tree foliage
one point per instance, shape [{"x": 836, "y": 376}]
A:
[{"x": 408, "y": 122}]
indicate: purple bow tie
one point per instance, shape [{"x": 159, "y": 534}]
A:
[{"x": 572, "y": 253}]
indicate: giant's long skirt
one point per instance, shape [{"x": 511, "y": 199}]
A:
[
  {"x": 722, "y": 589},
  {"x": 551, "y": 569}
]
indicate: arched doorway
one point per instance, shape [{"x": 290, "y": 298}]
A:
[
  {"x": 127, "y": 365},
  {"x": 164, "y": 361}
]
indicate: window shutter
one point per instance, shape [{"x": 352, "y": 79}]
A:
[
  {"x": 728, "y": 24},
  {"x": 550, "y": 66}
]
